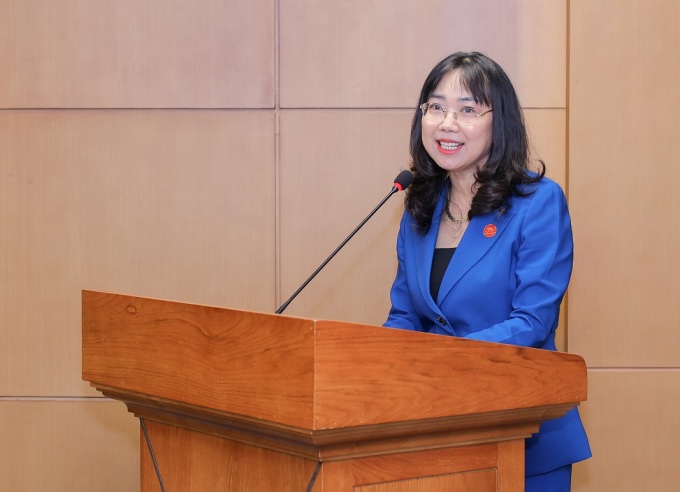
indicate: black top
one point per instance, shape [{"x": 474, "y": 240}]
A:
[{"x": 440, "y": 262}]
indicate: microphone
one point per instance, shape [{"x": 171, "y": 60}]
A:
[{"x": 401, "y": 182}]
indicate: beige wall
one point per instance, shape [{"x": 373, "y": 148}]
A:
[
  {"x": 216, "y": 152},
  {"x": 624, "y": 314}
]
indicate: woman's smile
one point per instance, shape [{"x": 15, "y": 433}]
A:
[{"x": 448, "y": 147}]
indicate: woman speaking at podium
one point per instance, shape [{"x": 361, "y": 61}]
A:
[{"x": 485, "y": 245}]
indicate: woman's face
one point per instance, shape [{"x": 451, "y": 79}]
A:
[{"x": 459, "y": 146}]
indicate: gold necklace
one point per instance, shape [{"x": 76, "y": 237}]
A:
[{"x": 453, "y": 219}]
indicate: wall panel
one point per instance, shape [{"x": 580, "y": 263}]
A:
[
  {"x": 631, "y": 418},
  {"x": 75, "y": 446},
  {"x": 137, "y": 54},
  {"x": 336, "y": 166},
  {"x": 377, "y": 54},
  {"x": 547, "y": 135},
  {"x": 623, "y": 179},
  {"x": 169, "y": 204}
]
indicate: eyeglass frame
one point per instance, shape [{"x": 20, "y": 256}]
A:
[{"x": 426, "y": 105}]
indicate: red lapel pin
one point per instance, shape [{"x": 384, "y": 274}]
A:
[{"x": 490, "y": 230}]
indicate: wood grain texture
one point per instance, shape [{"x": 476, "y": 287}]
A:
[
  {"x": 327, "y": 187},
  {"x": 131, "y": 54},
  {"x": 367, "y": 375},
  {"x": 192, "y": 461},
  {"x": 316, "y": 389},
  {"x": 408, "y": 465},
  {"x": 479, "y": 481},
  {"x": 377, "y": 54},
  {"x": 632, "y": 421},
  {"x": 62, "y": 445},
  {"x": 312, "y": 374},
  {"x": 623, "y": 304},
  {"x": 151, "y": 202},
  {"x": 260, "y": 366},
  {"x": 511, "y": 465},
  {"x": 195, "y": 461}
]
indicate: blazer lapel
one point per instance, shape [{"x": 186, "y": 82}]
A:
[
  {"x": 424, "y": 248},
  {"x": 481, "y": 234}
]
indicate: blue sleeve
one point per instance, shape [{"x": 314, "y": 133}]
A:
[
  {"x": 543, "y": 269},
  {"x": 402, "y": 313}
]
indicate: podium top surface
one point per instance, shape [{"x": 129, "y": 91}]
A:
[{"x": 310, "y": 374}]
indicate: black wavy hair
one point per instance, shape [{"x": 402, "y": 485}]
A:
[{"x": 508, "y": 165}]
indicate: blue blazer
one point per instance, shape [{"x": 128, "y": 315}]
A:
[{"x": 504, "y": 284}]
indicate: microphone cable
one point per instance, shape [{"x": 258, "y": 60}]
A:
[{"x": 153, "y": 455}]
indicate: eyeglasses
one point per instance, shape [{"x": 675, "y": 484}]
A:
[{"x": 436, "y": 113}]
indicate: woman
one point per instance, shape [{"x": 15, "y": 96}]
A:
[{"x": 485, "y": 245}]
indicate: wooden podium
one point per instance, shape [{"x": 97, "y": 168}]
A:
[{"x": 244, "y": 401}]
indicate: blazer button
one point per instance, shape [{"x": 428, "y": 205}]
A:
[{"x": 441, "y": 321}]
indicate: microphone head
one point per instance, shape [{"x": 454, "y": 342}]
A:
[{"x": 403, "y": 180}]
